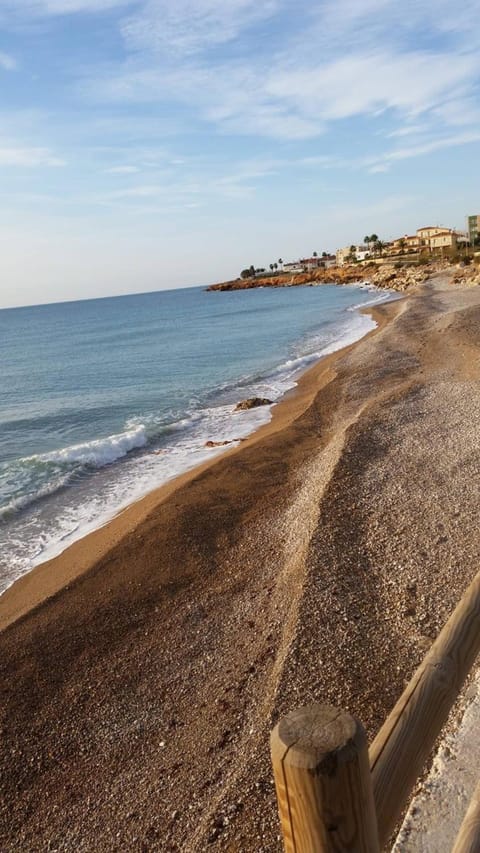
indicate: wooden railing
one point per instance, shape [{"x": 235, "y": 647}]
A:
[{"x": 335, "y": 795}]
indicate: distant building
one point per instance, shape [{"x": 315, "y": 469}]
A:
[
  {"x": 309, "y": 264},
  {"x": 293, "y": 266},
  {"x": 406, "y": 243},
  {"x": 424, "y": 234},
  {"x": 473, "y": 223},
  {"x": 436, "y": 238},
  {"x": 329, "y": 261},
  {"x": 444, "y": 239},
  {"x": 360, "y": 253},
  {"x": 432, "y": 238},
  {"x": 342, "y": 255},
  {"x": 413, "y": 241}
]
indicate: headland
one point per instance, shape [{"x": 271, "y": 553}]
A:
[{"x": 388, "y": 276}]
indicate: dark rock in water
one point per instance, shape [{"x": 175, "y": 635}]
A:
[{"x": 252, "y": 403}]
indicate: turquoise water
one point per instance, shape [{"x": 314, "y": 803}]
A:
[{"x": 91, "y": 391}]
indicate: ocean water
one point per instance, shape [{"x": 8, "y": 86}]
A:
[{"x": 103, "y": 400}]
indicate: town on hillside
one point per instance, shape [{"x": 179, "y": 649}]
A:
[{"x": 428, "y": 242}]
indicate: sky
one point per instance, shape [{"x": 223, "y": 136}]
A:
[{"x": 151, "y": 144}]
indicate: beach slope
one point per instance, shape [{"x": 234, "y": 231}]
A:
[{"x": 143, "y": 669}]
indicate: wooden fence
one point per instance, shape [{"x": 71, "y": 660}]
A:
[{"x": 336, "y": 795}]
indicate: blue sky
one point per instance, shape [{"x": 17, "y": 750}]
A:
[{"x": 147, "y": 144}]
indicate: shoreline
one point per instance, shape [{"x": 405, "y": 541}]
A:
[
  {"x": 48, "y": 577},
  {"x": 315, "y": 563}
]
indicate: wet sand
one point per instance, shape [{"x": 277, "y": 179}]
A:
[{"x": 143, "y": 668}]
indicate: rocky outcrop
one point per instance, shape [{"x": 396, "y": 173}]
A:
[
  {"x": 468, "y": 276},
  {"x": 340, "y": 275},
  {"x": 252, "y": 403},
  {"x": 386, "y": 275},
  {"x": 401, "y": 279}
]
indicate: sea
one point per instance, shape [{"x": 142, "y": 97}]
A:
[{"x": 103, "y": 400}]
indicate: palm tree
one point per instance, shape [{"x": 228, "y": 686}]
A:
[
  {"x": 271, "y": 267},
  {"x": 370, "y": 241},
  {"x": 314, "y": 254},
  {"x": 280, "y": 262},
  {"x": 275, "y": 266}
]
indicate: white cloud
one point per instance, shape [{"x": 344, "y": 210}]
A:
[
  {"x": 420, "y": 149},
  {"x": 59, "y": 7},
  {"x": 29, "y": 157},
  {"x": 381, "y": 167},
  {"x": 141, "y": 191},
  {"x": 327, "y": 65},
  {"x": 7, "y": 62},
  {"x": 286, "y": 100},
  {"x": 187, "y": 26},
  {"x": 361, "y": 23},
  {"x": 408, "y": 130},
  {"x": 264, "y": 119},
  {"x": 122, "y": 170},
  {"x": 366, "y": 83},
  {"x": 202, "y": 180},
  {"x": 354, "y": 58},
  {"x": 434, "y": 145},
  {"x": 459, "y": 112}
]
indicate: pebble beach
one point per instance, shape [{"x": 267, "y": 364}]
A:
[{"x": 144, "y": 667}]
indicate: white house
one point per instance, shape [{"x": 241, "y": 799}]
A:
[{"x": 360, "y": 253}]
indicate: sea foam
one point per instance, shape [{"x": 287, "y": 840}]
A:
[{"x": 96, "y": 453}]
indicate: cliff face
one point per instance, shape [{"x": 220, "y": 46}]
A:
[{"x": 385, "y": 276}]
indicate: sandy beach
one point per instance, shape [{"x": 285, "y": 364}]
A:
[{"x": 143, "y": 669}]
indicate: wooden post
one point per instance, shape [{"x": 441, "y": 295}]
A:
[
  {"x": 399, "y": 751},
  {"x": 323, "y": 782},
  {"x": 468, "y": 839}
]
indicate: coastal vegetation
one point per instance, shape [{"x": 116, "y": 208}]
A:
[{"x": 252, "y": 271}]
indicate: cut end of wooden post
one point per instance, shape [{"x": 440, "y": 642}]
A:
[
  {"x": 322, "y": 778},
  {"x": 317, "y": 735}
]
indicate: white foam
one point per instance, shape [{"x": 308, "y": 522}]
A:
[
  {"x": 44, "y": 491},
  {"x": 375, "y": 301},
  {"x": 97, "y": 453}
]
